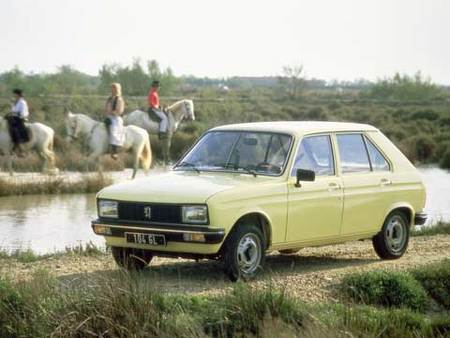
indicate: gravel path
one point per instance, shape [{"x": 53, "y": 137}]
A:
[{"x": 311, "y": 274}]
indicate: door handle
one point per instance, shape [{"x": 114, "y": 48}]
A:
[
  {"x": 333, "y": 187},
  {"x": 385, "y": 181}
]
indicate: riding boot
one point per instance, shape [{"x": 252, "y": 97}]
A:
[{"x": 17, "y": 149}]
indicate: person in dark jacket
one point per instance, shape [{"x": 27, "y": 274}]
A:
[{"x": 19, "y": 114}]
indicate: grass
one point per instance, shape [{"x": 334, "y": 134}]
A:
[
  {"x": 29, "y": 256},
  {"x": 435, "y": 279},
  {"x": 421, "y": 289},
  {"x": 55, "y": 185},
  {"x": 385, "y": 288},
  {"x": 436, "y": 229},
  {"x": 124, "y": 305}
]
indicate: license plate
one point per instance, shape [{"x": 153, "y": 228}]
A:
[{"x": 147, "y": 239}]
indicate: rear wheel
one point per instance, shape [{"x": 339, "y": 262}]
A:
[
  {"x": 391, "y": 242},
  {"x": 244, "y": 252},
  {"x": 131, "y": 259}
]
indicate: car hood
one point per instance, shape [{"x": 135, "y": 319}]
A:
[{"x": 177, "y": 187}]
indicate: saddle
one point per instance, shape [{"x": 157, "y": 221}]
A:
[{"x": 153, "y": 116}]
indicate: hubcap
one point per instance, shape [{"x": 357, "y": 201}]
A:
[
  {"x": 249, "y": 253},
  {"x": 396, "y": 234}
]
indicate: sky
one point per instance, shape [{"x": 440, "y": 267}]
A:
[{"x": 344, "y": 40}]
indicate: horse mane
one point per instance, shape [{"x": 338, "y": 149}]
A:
[
  {"x": 176, "y": 105},
  {"x": 84, "y": 117}
]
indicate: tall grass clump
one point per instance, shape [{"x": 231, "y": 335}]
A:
[
  {"x": 383, "y": 288},
  {"x": 435, "y": 279}
]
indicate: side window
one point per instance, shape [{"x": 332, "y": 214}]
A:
[
  {"x": 377, "y": 159},
  {"x": 315, "y": 153},
  {"x": 352, "y": 153}
]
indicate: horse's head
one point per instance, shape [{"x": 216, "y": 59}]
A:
[
  {"x": 72, "y": 126},
  {"x": 189, "y": 106}
]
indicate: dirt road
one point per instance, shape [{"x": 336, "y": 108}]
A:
[{"x": 311, "y": 274}]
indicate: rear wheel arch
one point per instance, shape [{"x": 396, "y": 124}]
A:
[{"x": 407, "y": 210}]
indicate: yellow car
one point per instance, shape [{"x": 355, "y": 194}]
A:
[{"x": 244, "y": 190}]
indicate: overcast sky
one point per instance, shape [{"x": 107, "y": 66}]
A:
[{"x": 345, "y": 39}]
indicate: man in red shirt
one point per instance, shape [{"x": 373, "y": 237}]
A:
[{"x": 154, "y": 107}]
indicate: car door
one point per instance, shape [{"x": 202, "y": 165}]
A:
[
  {"x": 365, "y": 175},
  {"x": 314, "y": 208}
]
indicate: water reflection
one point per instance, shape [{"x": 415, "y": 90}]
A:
[
  {"x": 48, "y": 223},
  {"x": 437, "y": 182}
]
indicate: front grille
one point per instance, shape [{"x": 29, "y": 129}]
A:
[{"x": 160, "y": 213}]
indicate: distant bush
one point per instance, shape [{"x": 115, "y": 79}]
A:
[
  {"x": 425, "y": 115},
  {"x": 404, "y": 87},
  {"x": 444, "y": 161},
  {"x": 391, "y": 289},
  {"x": 435, "y": 279},
  {"x": 420, "y": 148}
]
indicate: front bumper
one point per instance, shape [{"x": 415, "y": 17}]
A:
[
  {"x": 420, "y": 218},
  {"x": 172, "y": 232}
]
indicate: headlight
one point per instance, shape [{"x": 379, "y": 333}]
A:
[
  {"x": 107, "y": 209},
  {"x": 197, "y": 214}
]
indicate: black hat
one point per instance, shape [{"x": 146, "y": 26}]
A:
[
  {"x": 155, "y": 83},
  {"x": 18, "y": 91}
]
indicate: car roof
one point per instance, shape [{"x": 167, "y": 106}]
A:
[{"x": 297, "y": 127}]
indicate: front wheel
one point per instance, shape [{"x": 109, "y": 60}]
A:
[
  {"x": 391, "y": 242},
  {"x": 131, "y": 259},
  {"x": 244, "y": 252}
]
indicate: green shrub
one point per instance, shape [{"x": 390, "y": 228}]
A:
[
  {"x": 367, "y": 321},
  {"x": 391, "y": 289},
  {"x": 435, "y": 279},
  {"x": 420, "y": 148},
  {"x": 444, "y": 162}
]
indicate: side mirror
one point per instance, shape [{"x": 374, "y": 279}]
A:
[{"x": 304, "y": 175}]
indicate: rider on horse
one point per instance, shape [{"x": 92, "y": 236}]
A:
[
  {"x": 153, "y": 102},
  {"x": 16, "y": 120},
  {"x": 115, "y": 106}
]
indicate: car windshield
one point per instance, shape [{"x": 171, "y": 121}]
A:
[{"x": 241, "y": 151}]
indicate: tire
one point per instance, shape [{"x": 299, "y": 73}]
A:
[
  {"x": 131, "y": 259},
  {"x": 288, "y": 252},
  {"x": 392, "y": 241},
  {"x": 244, "y": 252}
]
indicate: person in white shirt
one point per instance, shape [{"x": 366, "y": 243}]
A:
[{"x": 19, "y": 113}]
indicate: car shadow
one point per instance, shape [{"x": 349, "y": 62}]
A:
[{"x": 202, "y": 276}]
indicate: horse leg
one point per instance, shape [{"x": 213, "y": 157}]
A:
[
  {"x": 136, "y": 155},
  {"x": 48, "y": 157},
  {"x": 168, "y": 146},
  {"x": 9, "y": 162},
  {"x": 95, "y": 158},
  {"x": 166, "y": 150}
]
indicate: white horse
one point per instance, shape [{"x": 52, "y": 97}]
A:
[
  {"x": 41, "y": 141},
  {"x": 180, "y": 110},
  {"x": 96, "y": 137}
]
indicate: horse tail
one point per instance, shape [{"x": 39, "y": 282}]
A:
[{"x": 146, "y": 155}]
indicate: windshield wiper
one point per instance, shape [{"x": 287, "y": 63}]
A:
[
  {"x": 189, "y": 165},
  {"x": 248, "y": 171}
]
